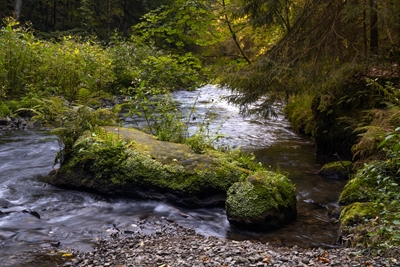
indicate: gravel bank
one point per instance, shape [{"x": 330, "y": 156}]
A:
[{"x": 175, "y": 246}]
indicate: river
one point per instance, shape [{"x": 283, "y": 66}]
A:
[{"x": 72, "y": 219}]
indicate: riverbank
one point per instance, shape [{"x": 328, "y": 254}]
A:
[
  {"x": 173, "y": 245},
  {"x": 14, "y": 123}
]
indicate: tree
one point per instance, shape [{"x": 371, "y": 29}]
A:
[
  {"x": 322, "y": 37},
  {"x": 17, "y": 9}
]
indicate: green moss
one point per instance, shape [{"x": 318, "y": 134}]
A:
[
  {"x": 358, "y": 189},
  {"x": 368, "y": 184},
  {"x": 150, "y": 163},
  {"x": 358, "y": 212},
  {"x": 259, "y": 194},
  {"x": 337, "y": 170}
]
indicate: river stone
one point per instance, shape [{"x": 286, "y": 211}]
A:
[
  {"x": 4, "y": 120},
  {"x": 264, "y": 200},
  {"x": 144, "y": 167},
  {"x": 336, "y": 170}
]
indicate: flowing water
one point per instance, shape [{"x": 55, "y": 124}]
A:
[{"x": 72, "y": 219}]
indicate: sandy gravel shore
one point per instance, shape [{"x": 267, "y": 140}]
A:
[{"x": 175, "y": 246}]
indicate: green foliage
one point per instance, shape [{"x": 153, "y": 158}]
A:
[
  {"x": 42, "y": 68},
  {"x": 68, "y": 121},
  {"x": 99, "y": 152},
  {"x": 378, "y": 183},
  {"x": 203, "y": 138},
  {"x": 300, "y": 115},
  {"x": 391, "y": 145},
  {"x": 380, "y": 122},
  {"x": 135, "y": 62},
  {"x": 15, "y": 60},
  {"x": 160, "y": 114},
  {"x": 163, "y": 119},
  {"x": 4, "y": 110},
  {"x": 180, "y": 25}
]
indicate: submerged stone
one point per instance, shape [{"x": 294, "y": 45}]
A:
[{"x": 265, "y": 200}]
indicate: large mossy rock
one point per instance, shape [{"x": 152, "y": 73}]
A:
[
  {"x": 336, "y": 170},
  {"x": 265, "y": 200},
  {"x": 141, "y": 166},
  {"x": 365, "y": 185}
]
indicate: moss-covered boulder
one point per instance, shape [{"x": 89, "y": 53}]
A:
[
  {"x": 357, "y": 189},
  {"x": 336, "y": 170},
  {"x": 366, "y": 184},
  {"x": 265, "y": 200},
  {"x": 129, "y": 163},
  {"x": 356, "y": 220},
  {"x": 357, "y": 212}
]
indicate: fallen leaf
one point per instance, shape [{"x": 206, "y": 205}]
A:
[
  {"x": 67, "y": 255},
  {"x": 324, "y": 260},
  {"x": 204, "y": 258},
  {"x": 267, "y": 259}
]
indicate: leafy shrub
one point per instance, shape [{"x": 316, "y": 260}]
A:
[{"x": 135, "y": 62}]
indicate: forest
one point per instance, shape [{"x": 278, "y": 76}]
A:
[{"x": 333, "y": 63}]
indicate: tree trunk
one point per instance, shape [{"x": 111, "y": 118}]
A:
[
  {"x": 373, "y": 28},
  {"x": 17, "y": 9}
]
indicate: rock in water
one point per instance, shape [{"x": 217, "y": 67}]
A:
[{"x": 265, "y": 200}]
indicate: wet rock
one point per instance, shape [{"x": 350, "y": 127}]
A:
[
  {"x": 337, "y": 170},
  {"x": 266, "y": 200},
  {"x": 4, "y": 121},
  {"x": 32, "y": 212},
  {"x": 150, "y": 169},
  {"x": 14, "y": 123}
]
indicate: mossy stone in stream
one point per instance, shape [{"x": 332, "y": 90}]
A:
[
  {"x": 336, "y": 170},
  {"x": 130, "y": 163},
  {"x": 264, "y": 200}
]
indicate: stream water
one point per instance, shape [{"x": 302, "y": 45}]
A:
[{"x": 73, "y": 219}]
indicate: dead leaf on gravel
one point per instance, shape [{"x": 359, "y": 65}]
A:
[
  {"x": 267, "y": 259},
  {"x": 204, "y": 258},
  {"x": 324, "y": 260}
]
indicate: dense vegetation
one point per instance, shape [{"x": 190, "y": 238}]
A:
[{"x": 334, "y": 63}]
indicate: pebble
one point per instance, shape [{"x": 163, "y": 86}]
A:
[{"x": 175, "y": 246}]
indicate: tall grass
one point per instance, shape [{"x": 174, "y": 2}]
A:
[
  {"x": 29, "y": 66},
  {"x": 76, "y": 67}
]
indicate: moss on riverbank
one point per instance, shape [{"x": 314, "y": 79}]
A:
[{"x": 371, "y": 217}]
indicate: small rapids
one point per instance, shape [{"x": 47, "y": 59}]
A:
[{"x": 36, "y": 215}]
